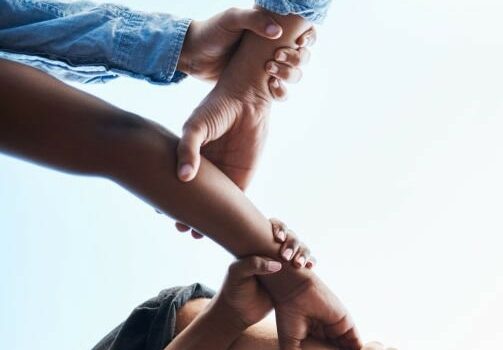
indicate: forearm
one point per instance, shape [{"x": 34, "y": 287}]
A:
[
  {"x": 91, "y": 42},
  {"x": 211, "y": 329},
  {"x": 249, "y": 60},
  {"x": 46, "y": 121}
]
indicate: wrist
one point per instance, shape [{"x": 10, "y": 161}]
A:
[
  {"x": 288, "y": 283},
  {"x": 223, "y": 320},
  {"x": 187, "y": 52}
]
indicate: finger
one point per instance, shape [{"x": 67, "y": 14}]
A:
[
  {"x": 188, "y": 150},
  {"x": 289, "y": 344},
  {"x": 344, "y": 333},
  {"x": 283, "y": 72},
  {"x": 351, "y": 340},
  {"x": 301, "y": 257},
  {"x": 290, "y": 247},
  {"x": 253, "y": 265},
  {"x": 181, "y": 227},
  {"x": 308, "y": 38},
  {"x": 278, "y": 230},
  {"x": 196, "y": 234},
  {"x": 236, "y": 20},
  {"x": 292, "y": 57},
  {"x": 277, "y": 89},
  {"x": 311, "y": 262}
]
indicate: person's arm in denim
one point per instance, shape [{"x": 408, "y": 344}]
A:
[
  {"x": 313, "y": 11},
  {"x": 90, "y": 42}
]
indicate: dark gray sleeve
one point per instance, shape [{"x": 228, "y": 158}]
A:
[{"x": 151, "y": 326}]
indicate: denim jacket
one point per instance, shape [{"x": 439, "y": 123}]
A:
[{"x": 88, "y": 42}]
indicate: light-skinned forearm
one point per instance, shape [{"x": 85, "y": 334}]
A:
[
  {"x": 262, "y": 335},
  {"x": 212, "y": 329},
  {"x": 248, "y": 63}
]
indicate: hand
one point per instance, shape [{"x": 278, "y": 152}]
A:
[
  {"x": 291, "y": 248},
  {"x": 209, "y": 45},
  {"x": 207, "y": 50},
  {"x": 241, "y": 296},
  {"x": 312, "y": 309}
]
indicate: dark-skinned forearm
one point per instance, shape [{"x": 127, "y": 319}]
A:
[{"x": 67, "y": 129}]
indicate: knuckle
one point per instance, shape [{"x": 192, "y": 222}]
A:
[
  {"x": 233, "y": 268},
  {"x": 193, "y": 127},
  {"x": 255, "y": 263},
  {"x": 286, "y": 73},
  {"x": 232, "y": 12},
  {"x": 294, "y": 58}
]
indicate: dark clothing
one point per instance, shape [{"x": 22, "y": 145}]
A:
[{"x": 151, "y": 326}]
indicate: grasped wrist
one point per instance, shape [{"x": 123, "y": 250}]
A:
[
  {"x": 247, "y": 66},
  {"x": 224, "y": 318},
  {"x": 288, "y": 283}
]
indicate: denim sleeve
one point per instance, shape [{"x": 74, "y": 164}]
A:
[
  {"x": 88, "y": 42},
  {"x": 312, "y": 10}
]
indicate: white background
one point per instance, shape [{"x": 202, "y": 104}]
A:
[{"x": 386, "y": 159}]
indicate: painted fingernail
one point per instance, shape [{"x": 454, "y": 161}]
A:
[
  {"x": 272, "y": 29},
  {"x": 185, "y": 171},
  {"x": 287, "y": 254},
  {"x": 281, "y": 57},
  {"x": 273, "y": 266},
  {"x": 281, "y": 236},
  {"x": 301, "y": 261},
  {"x": 273, "y": 68}
]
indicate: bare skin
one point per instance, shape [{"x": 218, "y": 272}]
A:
[
  {"x": 208, "y": 49},
  {"x": 234, "y": 319},
  {"x": 231, "y": 123},
  {"x": 261, "y": 336},
  {"x": 66, "y": 129}
]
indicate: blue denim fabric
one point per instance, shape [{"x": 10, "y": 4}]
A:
[
  {"x": 87, "y": 42},
  {"x": 312, "y": 10}
]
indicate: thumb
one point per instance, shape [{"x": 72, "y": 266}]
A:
[
  {"x": 257, "y": 21},
  {"x": 253, "y": 265},
  {"x": 188, "y": 151},
  {"x": 286, "y": 343}
]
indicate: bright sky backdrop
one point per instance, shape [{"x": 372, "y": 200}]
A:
[{"x": 387, "y": 160}]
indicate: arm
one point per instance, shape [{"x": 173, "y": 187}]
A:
[
  {"x": 194, "y": 319},
  {"x": 90, "y": 42},
  {"x": 67, "y": 129}
]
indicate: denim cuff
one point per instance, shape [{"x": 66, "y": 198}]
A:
[
  {"x": 312, "y": 10},
  {"x": 151, "y": 46}
]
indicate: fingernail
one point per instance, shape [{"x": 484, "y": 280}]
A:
[
  {"x": 281, "y": 57},
  {"x": 281, "y": 236},
  {"x": 272, "y": 29},
  {"x": 287, "y": 254},
  {"x": 275, "y": 84},
  {"x": 273, "y": 266},
  {"x": 185, "y": 171},
  {"x": 301, "y": 261},
  {"x": 273, "y": 68}
]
